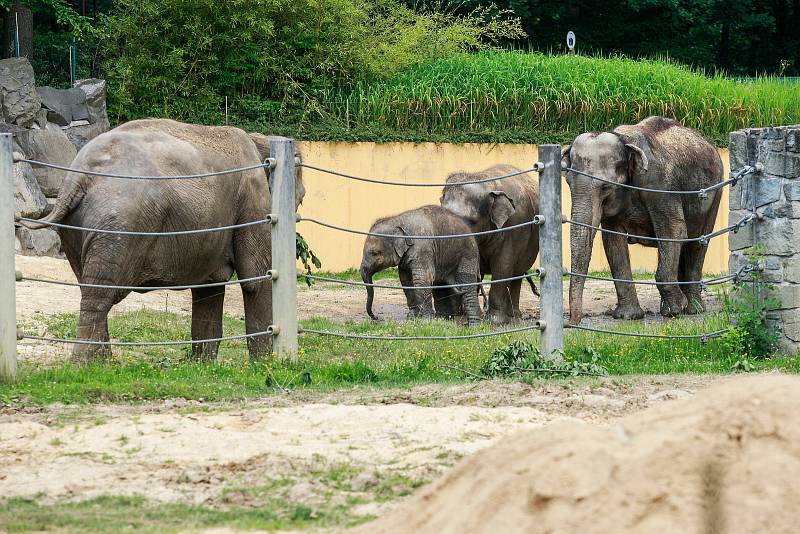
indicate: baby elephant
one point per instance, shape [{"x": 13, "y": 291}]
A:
[{"x": 425, "y": 262}]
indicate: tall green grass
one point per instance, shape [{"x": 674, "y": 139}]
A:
[{"x": 520, "y": 96}]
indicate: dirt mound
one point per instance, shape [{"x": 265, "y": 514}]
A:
[{"x": 726, "y": 460}]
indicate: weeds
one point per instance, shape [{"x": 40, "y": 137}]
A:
[{"x": 521, "y": 358}]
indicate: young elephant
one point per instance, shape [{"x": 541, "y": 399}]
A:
[
  {"x": 425, "y": 262},
  {"x": 492, "y": 205}
]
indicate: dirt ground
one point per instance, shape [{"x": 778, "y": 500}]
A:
[
  {"x": 332, "y": 301},
  {"x": 194, "y": 452}
]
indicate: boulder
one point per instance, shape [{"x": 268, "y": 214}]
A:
[
  {"x": 64, "y": 105},
  {"x": 19, "y": 101},
  {"x": 95, "y": 90},
  {"x": 42, "y": 242},
  {"x": 49, "y": 145},
  {"x": 79, "y": 135},
  {"x": 28, "y": 198}
]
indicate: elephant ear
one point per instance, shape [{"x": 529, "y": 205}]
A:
[
  {"x": 637, "y": 159},
  {"x": 501, "y": 208},
  {"x": 400, "y": 244},
  {"x": 566, "y": 161}
]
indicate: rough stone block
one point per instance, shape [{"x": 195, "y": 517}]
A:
[
  {"x": 738, "y": 150},
  {"x": 792, "y": 191},
  {"x": 28, "y": 198},
  {"x": 767, "y": 191},
  {"x": 64, "y": 105},
  {"x": 779, "y": 237},
  {"x": 80, "y": 135},
  {"x": 43, "y": 242},
  {"x": 791, "y": 269},
  {"x": 773, "y": 269},
  {"x": 735, "y": 196},
  {"x": 781, "y": 164},
  {"x": 95, "y": 90},
  {"x": 19, "y": 101},
  {"x": 50, "y": 145},
  {"x": 742, "y": 239},
  {"x": 782, "y": 210},
  {"x": 793, "y": 140},
  {"x": 788, "y": 295}
]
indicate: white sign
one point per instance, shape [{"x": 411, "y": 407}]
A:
[{"x": 571, "y": 40}]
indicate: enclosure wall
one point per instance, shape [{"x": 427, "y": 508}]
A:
[{"x": 357, "y": 204}]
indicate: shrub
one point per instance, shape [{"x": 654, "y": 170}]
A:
[{"x": 181, "y": 58}]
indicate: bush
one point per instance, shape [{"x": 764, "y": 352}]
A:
[{"x": 182, "y": 58}]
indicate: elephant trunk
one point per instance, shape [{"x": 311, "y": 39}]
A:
[
  {"x": 366, "y": 276},
  {"x": 581, "y": 239}
]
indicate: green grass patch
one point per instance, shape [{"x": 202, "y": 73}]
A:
[
  {"x": 515, "y": 96},
  {"x": 113, "y": 514},
  {"x": 333, "y": 362}
]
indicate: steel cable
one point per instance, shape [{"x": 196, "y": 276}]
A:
[
  {"x": 443, "y": 286},
  {"x": 708, "y": 282},
  {"x": 403, "y": 236},
  {"x": 535, "y": 168},
  {"x": 270, "y": 162},
  {"x": 143, "y": 343},
  {"x": 268, "y": 220},
  {"x": 705, "y": 336},
  {"x": 419, "y": 338},
  {"x": 267, "y": 276},
  {"x": 701, "y": 192},
  {"x": 701, "y": 239}
]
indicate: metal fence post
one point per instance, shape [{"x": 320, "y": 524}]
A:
[
  {"x": 551, "y": 321},
  {"x": 8, "y": 320},
  {"x": 284, "y": 259}
]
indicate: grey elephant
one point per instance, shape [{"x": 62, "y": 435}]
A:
[
  {"x": 492, "y": 205},
  {"x": 657, "y": 153},
  {"x": 425, "y": 262},
  {"x": 160, "y": 147}
]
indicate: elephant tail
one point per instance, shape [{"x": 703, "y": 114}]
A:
[{"x": 69, "y": 197}]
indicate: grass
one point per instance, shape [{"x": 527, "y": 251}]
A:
[
  {"x": 111, "y": 514},
  {"x": 515, "y": 96},
  {"x": 332, "y": 362}
]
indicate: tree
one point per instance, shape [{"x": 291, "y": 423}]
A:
[{"x": 18, "y": 24}]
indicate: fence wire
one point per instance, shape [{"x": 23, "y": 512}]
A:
[
  {"x": 422, "y": 237},
  {"x": 703, "y": 337},
  {"x": 143, "y": 343},
  {"x": 706, "y": 282},
  {"x": 267, "y": 276},
  {"x": 443, "y": 286},
  {"x": 268, "y": 164},
  {"x": 267, "y": 220},
  {"x": 703, "y": 239},
  {"x": 699, "y": 192},
  {"x": 536, "y": 168},
  {"x": 420, "y": 338}
]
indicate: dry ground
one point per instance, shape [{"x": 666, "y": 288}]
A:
[{"x": 202, "y": 453}]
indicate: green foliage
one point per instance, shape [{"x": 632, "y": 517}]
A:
[
  {"x": 518, "y": 96},
  {"x": 751, "y": 335},
  {"x": 522, "y": 358},
  {"x": 181, "y": 58},
  {"x": 306, "y": 256}
]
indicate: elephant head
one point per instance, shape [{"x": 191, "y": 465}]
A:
[
  {"x": 612, "y": 157},
  {"x": 262, "y": 144},
  {"x": 481, "y": 207},
  {"x": 382, "y": 253}
]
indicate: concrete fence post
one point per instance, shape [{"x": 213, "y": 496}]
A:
[
  {"x": 551, "y": 319},
  {"x": 8, "y": 320},
  {"x": 284, "y": 259}
]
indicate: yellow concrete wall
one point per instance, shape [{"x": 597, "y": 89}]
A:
[{"x": 357, "y": 204}]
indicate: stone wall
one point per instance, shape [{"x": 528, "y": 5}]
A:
[{"x": 774, "y": 194}]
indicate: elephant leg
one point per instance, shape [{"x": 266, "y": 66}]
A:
[
  {"x": 690, "y": 269},
  {"x": 514, "y": 290},
  {"x": 207, "y": 306},
  {"x": 93, "y": 319},
  {"x": 468, "y": 298},
  {"x": 407, "y": 280},
  {"x": 501, "y": 306},
  {"x": 617, "y": 253},
  {"x": 252, "y": 259},
  {"x": 423, "y": 305}
]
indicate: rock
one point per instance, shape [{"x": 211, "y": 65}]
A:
[
  {"x": 95, "y": 90},
  {"x": 51, "y": 203},
  {"x": 19, "y": 101},
  {"x": 49, "y": 145},
  {"x": 43, "y": 242},
  {"x": 669, "y": 394},
  {"x": 64, "y": 105},
  {"x": 80, "y": 135},
  {"x": 28, "y": 198},
  {"x": 41, "y": 119}
]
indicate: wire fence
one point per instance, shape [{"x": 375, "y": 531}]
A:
[{"x": 280, "y": 165}]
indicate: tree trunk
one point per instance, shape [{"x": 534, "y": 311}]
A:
[{"x": 18, "y": 14}]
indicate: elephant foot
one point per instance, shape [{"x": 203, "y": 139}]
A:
[
  {"x": 498, "y": 318},
  {"x": 628, "y": 312},
  {"x": 673, "y": 309},
  {"x": 694, "y": 306},
  {"x": 84, "y": 354}
]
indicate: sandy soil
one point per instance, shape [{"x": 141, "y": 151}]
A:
[
  {"x": 322, "y": 300},
  {"x": 184, "y": 451}
]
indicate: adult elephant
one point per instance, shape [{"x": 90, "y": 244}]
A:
[
  {"x": 657, "y": 153},
  {"x": 160, "y": 147},
  {"x": 492, "y": 205}
]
